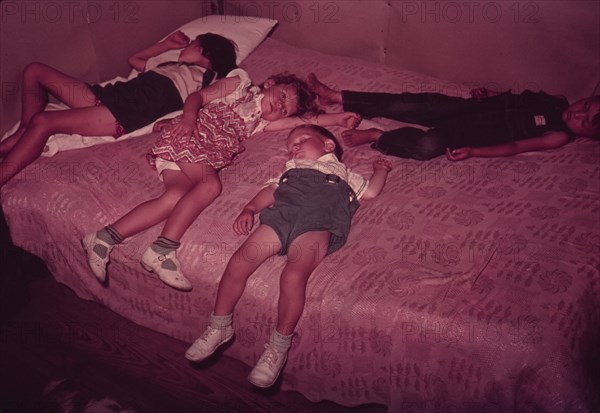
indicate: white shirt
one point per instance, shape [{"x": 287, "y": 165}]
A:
[
  {"x": 327, "y": 164},
  {"x": 186, "y": 78},
  {"x": 250, "y": 111}
]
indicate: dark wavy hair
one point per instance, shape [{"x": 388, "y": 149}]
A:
[
  {"x": 307, "y": 98},
  {"x": 221, "y": 52},
  {"x": 324, "y": 133}
]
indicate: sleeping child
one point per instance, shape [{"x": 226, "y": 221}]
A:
[
  {"x": 191, "y": 151},
  {"x": 305, "y": 215},
  {"x": 113, "y": 109}
]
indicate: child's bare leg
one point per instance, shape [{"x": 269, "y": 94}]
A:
[
  {"x": 7, "y": 144},
  {"x": 94, "y": 121},
  {"x": 304, "y": 254},
  {"x": 355, "y": 137},
  {"x": 260, "y": 245},
  {"x": 161, "y": 256},
  {"x": 327, "y": 95},
  {"x": 206, "y": 188},
  {"x": 98, "y": 245},
  {"x": 156, "y": 210},
  {"x": 40, "y": 80}
]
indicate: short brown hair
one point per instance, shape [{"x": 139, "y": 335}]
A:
[{"x": 325, "y": 133}]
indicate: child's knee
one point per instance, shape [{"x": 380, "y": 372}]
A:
[
  {"x": 217, "y": 188},
  {"x": 41, "y": 122},
  {"x": 294, "y": 278},
  {"x": 34, "y": 70},
  {"x": 171, "y": 197},
  {"x": 212, "y": 188},
  {"x": 412, "y": 143},
  {"x": 431, "y": 146},
  {"x": 294, "y": 282},
  {"x": 47, "y": 123}
]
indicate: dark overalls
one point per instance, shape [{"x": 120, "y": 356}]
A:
[{"x": 309, "y": 200}]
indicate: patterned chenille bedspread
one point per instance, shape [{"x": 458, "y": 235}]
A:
[{"x": 464, "y": 287}]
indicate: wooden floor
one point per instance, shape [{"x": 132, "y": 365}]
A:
[{"x": 48, "y": 333}]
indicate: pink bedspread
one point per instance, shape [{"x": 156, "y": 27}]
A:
[{"x": 470, "y": 286}]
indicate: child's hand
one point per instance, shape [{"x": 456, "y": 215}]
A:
[
  {"x": 177, "y": 40},
  {"x": 382, "y": 164},
  {"x": 458, "y": 154},
  {"x": 185, "y": 128},
  {"x": 348, "y": 120},
  {"x": 244, "y": 222},
  {"x": 160, "y": 125}
]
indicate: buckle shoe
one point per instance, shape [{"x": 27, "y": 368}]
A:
[
  {"x": 207, "y": 344},
  {"x": 98, "y": 254},
  {"x": 167, "y": 268},
  {"x": 268, "y": 367}
]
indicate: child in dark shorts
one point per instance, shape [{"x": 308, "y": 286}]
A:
[
  {"x": 489, "y": 124},
  {"x": 112, "y": 110},
  {"x": 307, "y": 209},
  {"x": 191, "y": 151}
]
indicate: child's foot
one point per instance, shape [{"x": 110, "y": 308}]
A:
[
  {"x": 207, "y": 344},
  {"x": 98, "y": 254},
  {"x": 355, "y": 137},
  {"x": 327, "y": 95},
  {"x": 268, "y": 367},
  {"x": 167, "y": 268}
]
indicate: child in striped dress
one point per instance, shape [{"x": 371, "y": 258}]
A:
[{"x": 191, "y": 151}]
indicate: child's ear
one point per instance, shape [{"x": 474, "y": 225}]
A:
[
  {"x": 268, "y": 83},
  {"x": 329, "y": 145}
]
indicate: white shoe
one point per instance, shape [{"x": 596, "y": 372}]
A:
[
  {"x": 167, "y": 268},
  {"x": 268, "y": 367},
  {"x": 98, "y": 255},
  {"x": 208, "y": 343}
]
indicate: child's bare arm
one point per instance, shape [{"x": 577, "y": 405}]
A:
[
  {"x": 187, "y": 125},
  {"x": 549, "y": 140},
  {"x": 177, "y": 40},
  {"x": 245, "y": 221},
  {"x": 381, "y": 168},
  {"x": 348, "y": 120},
  {"x": 195, "y": 101}
]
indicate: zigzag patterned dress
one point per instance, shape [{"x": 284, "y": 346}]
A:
[{"x": 222, "y": 128}]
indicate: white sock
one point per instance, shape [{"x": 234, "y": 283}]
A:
[
  {"x": 221, "y": 322},
  {"x": 280, "y": 342}
]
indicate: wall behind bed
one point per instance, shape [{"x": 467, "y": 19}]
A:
[
  {"x": 552, "y": 45},
  {"x": 88, "y": 39}
]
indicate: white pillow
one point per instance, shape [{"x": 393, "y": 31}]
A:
[{"x": 246, "y": 31}]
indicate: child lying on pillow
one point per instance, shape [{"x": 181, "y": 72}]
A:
[{"x": 114, "y": 109}]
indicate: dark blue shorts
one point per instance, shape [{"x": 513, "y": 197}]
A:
[
  {"x": 309, "y": 200},
  {"x": 139, "y": 101}
]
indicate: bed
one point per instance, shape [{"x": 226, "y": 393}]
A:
[{"x": 470, "y": 286}]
